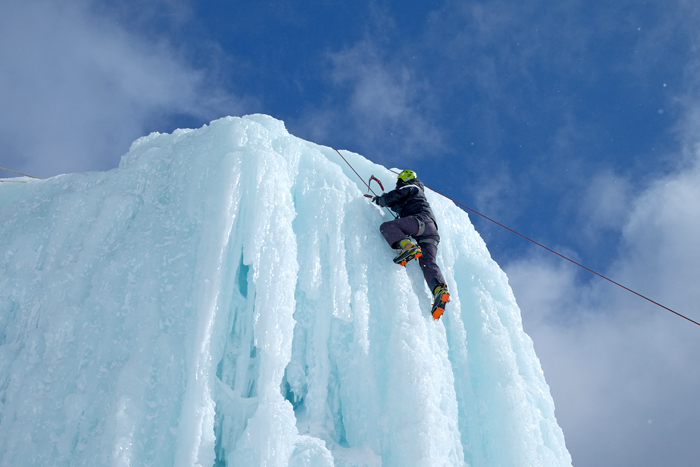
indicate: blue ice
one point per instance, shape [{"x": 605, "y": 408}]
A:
[{"x": 224, "y": 298}]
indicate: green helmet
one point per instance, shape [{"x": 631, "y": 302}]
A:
[{"x": 407, "y": 175}]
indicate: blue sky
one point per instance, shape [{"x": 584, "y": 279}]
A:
[{"x": 575, "y": 123}]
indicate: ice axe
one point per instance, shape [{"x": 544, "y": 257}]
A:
[
  {"x": 372, "y": 177},
  {"x": 379, "y": 182}
]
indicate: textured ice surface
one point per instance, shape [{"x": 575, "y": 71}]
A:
[{"x": 224, "y": 298}]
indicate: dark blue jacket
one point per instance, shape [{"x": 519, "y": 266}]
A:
[{"x": 407, "y": 199}]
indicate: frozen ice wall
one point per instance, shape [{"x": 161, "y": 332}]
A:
[{"x": 224, "y": 298}]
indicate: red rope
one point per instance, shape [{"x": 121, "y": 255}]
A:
[
  {"x": 562, "y": 256},
  {"x": 353, "y": 169}
]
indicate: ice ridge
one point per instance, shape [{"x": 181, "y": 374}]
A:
[{"x": 224, "y": 298}]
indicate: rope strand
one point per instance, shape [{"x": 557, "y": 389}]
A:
[
  {"x": 485, "y": 217},
  {"x": 363, "y": 180},
  {"x": 568, "y": 259},
  {"x": 556, "y": 253},
  {"x": 14, "y": 171}
]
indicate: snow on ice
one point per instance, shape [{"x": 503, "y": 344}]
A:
[{"x": 225, "y": 298}]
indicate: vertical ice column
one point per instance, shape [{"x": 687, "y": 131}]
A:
[{"x": 270, "y": 251}]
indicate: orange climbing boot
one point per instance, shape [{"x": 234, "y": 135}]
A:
[
  {"x": 409, "y": 251},
  {"x": 440, "y": 298}
]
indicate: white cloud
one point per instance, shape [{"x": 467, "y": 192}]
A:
[
  {"x": 606, "y": 203},
  {"x": 661, "y": 241},
  {"x": 386, "y": 107},
  {"x": 386, "y": 97},
  {"x": 624, "y": 372},
  {"x": 76, "y": 88}
]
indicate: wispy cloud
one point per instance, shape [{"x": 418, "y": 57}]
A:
[
  {"x": 661, "y": 248},
  {"x": 606, "y": 204},
  {"x": 76, "y": 87},
  {"x": 623, "y": 372},
  {"x": 377, "y": 99},
  {"x": 387, "y": 102}
]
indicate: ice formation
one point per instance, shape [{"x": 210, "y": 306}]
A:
[{"x": 224, "y": 298}]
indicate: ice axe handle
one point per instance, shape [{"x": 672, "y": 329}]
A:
[{"x": 372, "y": 177}]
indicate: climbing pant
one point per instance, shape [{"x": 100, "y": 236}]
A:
[{"x": 424, "y": 231}]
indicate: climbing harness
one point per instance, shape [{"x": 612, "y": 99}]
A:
[{"x": 536, "y": 243}]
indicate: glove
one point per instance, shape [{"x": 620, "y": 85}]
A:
[{"x": 375, "y": 200}]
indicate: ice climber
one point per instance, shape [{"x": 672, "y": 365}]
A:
[{"x": 416, "y": 220}]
